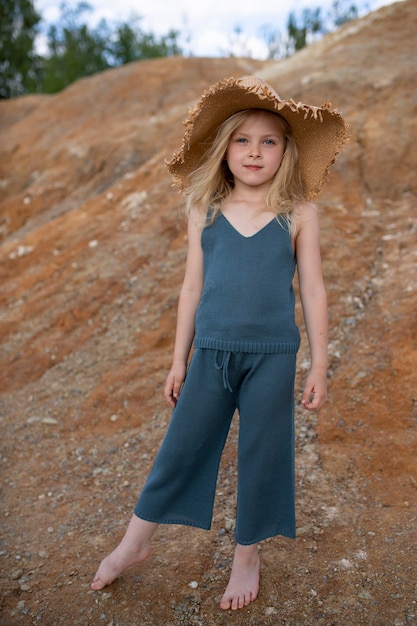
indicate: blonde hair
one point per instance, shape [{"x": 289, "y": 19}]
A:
[{"x": 212, "y": 181}]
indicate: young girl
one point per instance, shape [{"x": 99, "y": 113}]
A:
[{"x": 248, "y": 165}]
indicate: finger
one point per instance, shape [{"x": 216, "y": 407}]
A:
[
  {"x": 314, "y": 401},
  {"x": 311, "y": 400},
  {"x": 168, "y": 392},
  {"x": 177, "y": 388},
  {"x": 308, "y": 396},
  {"x": 171, "y": 401}
]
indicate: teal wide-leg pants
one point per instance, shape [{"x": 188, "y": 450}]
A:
[{"x": 181, "y": 485}]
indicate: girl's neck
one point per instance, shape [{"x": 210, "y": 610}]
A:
[
  {"x": 249, "y": 203},
  {"x": 249, "y": 195},
  {"x": 247, "y": 213}
]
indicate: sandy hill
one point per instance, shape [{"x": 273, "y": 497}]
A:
[{"x": 92, "y": 256}]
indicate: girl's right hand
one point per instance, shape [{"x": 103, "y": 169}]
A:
[{"x": 174, "y": 383}]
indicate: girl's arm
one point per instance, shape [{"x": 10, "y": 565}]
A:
[
  {"x": 187, "y": 306},
  {"x": 314, "y": 303}
]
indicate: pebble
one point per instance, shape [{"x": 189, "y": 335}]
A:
[
  {"x": 365, "y": 595},
  {"x": 270, "y": 610},
  {"x": 49, "y": 420},
  {"x": 105, "y": 595}
]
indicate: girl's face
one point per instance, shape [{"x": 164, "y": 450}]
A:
[{"x": 255, "y": 149}]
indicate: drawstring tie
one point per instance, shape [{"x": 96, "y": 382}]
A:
[{"x": 224, "y": 365}]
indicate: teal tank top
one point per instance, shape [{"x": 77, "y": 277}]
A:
[{"x": 247, "y": 303}]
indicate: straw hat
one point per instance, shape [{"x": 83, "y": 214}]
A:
[{"x": 320, "y": 133}]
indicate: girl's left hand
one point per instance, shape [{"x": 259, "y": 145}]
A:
[
  {"x": 174, "y": 382},
  {"x": 315, "y": 391}
]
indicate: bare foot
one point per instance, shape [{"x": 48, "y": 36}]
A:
[
  {"x": 134, "y": 548},
  {"x": 243, "y": 585},
  {"x": 114, "y": 564}
]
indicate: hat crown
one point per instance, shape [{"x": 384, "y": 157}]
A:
[{"x": 254, "y": 84}]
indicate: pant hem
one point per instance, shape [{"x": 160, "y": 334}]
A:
[
  {"x": 173, "y": 521},
  {"x": 282, "y": 533}
]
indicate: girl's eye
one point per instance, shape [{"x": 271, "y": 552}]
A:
[
  {"x": 269, "y": 142},
  {"x": 241, "y": 140}
]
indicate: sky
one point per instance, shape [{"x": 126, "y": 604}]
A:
[{"x": 206, "y": 31}]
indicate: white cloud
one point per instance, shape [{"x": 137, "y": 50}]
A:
[{"x": 206, "y": 31}]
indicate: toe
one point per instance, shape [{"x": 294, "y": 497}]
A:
[
  {"x": 248, "y": 599},
  {"x": 97, "y": 584},
  {"x": 235, "y": 603},
  {"x": 225, "y": 603},
  {"x": 240, "y": 602}
]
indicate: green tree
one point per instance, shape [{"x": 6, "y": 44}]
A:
[
  {"x": 343, "y": 11},
  {"x": 303, "y": 29},
  {"x": 74, "y": 49},
  {"x": 299, "y": 34},
  {"x": 19, "y": 63},
  {"x": 130, "y": 43}
]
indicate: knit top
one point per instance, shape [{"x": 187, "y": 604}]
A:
[{"x": 247, "y": 303}]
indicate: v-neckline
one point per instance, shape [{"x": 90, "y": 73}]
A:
[{"x": 247, "y": 236}]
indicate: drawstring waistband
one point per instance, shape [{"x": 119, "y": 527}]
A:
[{"x": 224, "y": 365}]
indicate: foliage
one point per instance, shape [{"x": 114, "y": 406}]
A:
[
  {"x": 19, "y": 64},
  {"x": 131, "y": 44},
  {"x": 312, "y": 23},
  {"x": 343, "y": 11},
  {"x": 75, "y": 50},
  {"x": 302, "y": 30}
]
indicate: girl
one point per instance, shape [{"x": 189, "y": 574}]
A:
[{"x": 248, "y": 165}]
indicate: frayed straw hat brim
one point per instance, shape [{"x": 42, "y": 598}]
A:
[{"x": 319, "y": 132}]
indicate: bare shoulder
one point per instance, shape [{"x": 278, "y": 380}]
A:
[
  {"x": 195, "y": 226},
  {"x": 305, "y": 213},
  {"x": 196, "y": 221},
  {"x": 305, "y": 220}
]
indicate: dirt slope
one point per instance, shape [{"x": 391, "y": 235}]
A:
[{"x": 92, "y": 256}]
